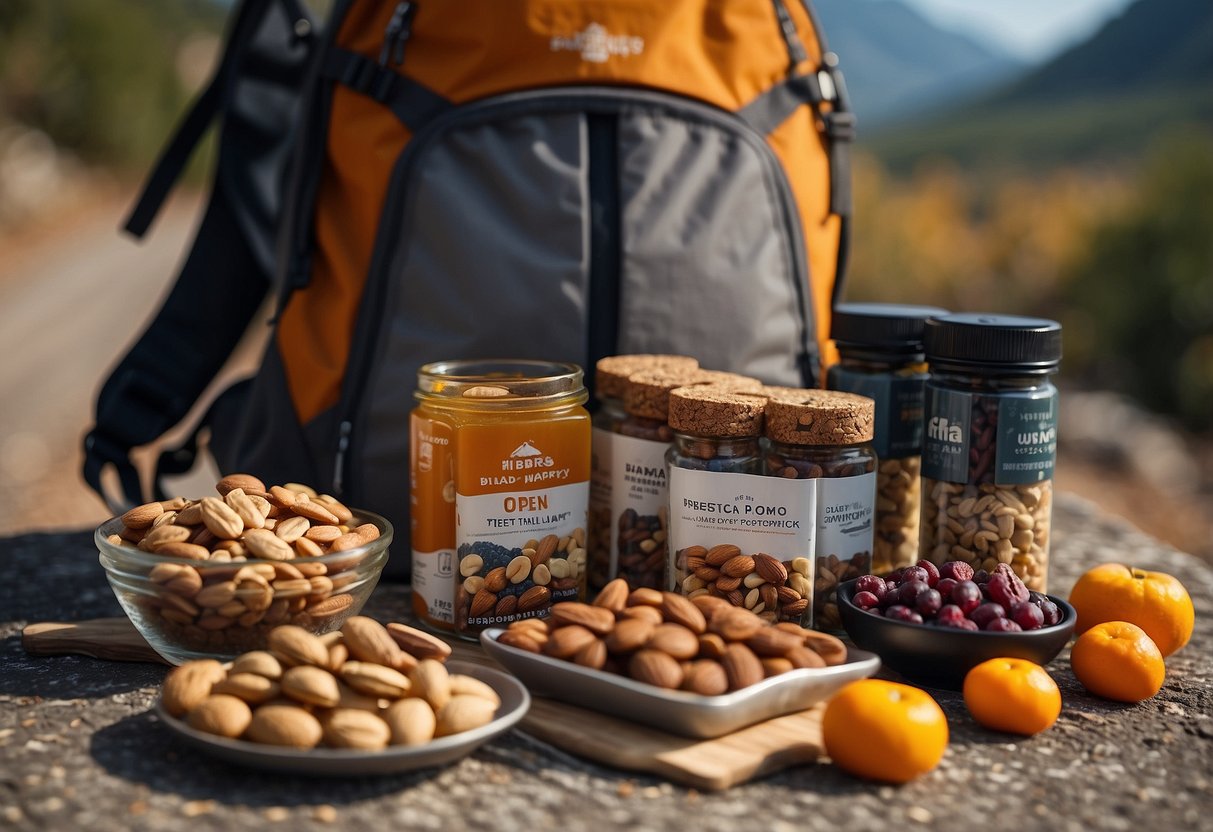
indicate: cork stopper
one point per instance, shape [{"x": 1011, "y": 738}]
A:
[
  {"x": 818, "y": 417},
  {"x": 728, "y": 381},
  {"x": 713, "y": 411},
  {"x": 612, "y": 372},
  {"x": 647, "y": 393}
]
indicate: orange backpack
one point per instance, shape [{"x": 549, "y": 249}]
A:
[{"x": 554, "y": 179}]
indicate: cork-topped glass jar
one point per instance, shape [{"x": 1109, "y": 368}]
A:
[
  {"x": 881, "y": 356},
  {"x": 734, "y": 533},
  {"x": 611, "y": 375},
  {"x": 826, "y": 436}
]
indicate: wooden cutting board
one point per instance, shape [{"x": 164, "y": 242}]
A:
[{"x": 702, "y": 764}]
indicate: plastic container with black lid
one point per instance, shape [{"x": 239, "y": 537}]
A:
[
  {"x": 991, "y": 442},
  {"x": 881, "y": 356}
]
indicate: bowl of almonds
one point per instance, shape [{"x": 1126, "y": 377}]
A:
[
  {"x": 365, "y": 699},
  {"x": 211, "y": 577}
]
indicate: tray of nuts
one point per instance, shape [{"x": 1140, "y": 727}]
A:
[
  {"x": 366, "y": 699},
  {"x": 699, "y": 668}
]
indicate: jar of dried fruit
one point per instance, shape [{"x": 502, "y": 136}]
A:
[
  {"x": 735, "y": 534},
  {"x": 991, "y": 442},
  {"x": 500, "y": 491},
  {"x": 825, "y": 436},
  {"x": 610, "y": 377},
  {"x": 881, "y": 357}
]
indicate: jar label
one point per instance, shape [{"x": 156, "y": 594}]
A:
[
  {"x": 1003, "y": 439},
  {"x": 432, "y": 517},
  {"x": 522, "y": 494},
  {"x": 899, "y": 406},
  {"x": 845, "y": 508},
  {"x": 639, "y": 510},
  {"x": 772, "y": 515}
]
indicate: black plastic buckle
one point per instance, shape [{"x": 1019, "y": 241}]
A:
[{"x": 840, "y": 126}]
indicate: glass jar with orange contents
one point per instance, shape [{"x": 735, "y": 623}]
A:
[{"x": 500, "y": 489}]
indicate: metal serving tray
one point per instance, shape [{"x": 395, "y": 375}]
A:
[{"x": 675, "y": 711}]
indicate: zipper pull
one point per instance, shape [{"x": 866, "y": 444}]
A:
[
  {"x": 343, "y": 446},
  {"x": 396, "y": 34}
]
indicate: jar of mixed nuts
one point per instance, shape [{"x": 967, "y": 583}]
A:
[
  {"x": 735, "y": 534},
  {"x": 516, "y": 438},
  {"x": 991, "y": 442},
  {"x": 826, "y": 436},
  {"x": 881, "y": 357},
  {"x": 611, "y": 374}
]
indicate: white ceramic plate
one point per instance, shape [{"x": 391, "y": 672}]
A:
[
  {"x": 676, "y": 711},
  {"x": 339, "y": 762}
]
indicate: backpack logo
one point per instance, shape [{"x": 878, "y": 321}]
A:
[
  {"x": 596, "y": 45},
  {"x": 526, "y": 456}
]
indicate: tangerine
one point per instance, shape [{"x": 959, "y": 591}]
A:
[
  {"x": 884, "y": 731},
  {"x": 1012, "y": 695},
  {"x": 1154, "y": 601},
  {"x": 1117, "y": 660}
]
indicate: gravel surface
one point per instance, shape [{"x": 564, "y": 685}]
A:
[{"x": 79, "y": 748}]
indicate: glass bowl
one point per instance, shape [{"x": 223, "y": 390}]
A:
[{"x": 199, "y": 609}]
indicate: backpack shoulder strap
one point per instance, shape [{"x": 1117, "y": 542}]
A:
[{"x": 228, "y": 271}]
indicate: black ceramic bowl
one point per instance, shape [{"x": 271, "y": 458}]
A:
[{"x": 940, "y": 657}]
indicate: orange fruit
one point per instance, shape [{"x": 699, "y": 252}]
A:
[
  {"x": 1154, "y": 601},
  {"x": 1117, "y": 660},
  {"x": 884, "y": 731},
  {"x": 1012, "y": 695}
]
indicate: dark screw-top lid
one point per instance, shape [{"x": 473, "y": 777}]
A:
[
  {"x": 1000, "y": 342},
  {"x": 888, "y": 325}
]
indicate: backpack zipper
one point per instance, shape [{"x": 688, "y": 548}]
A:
[
  {"x": 571, "y": 99},
  {"x": 396, "y": 34}
]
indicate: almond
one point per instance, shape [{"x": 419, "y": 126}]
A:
[
  {"x": 483, "y": 603},
  {"x": 645, "y": 597},
  {"x": 630, "y": 634},
  {"x": 681, "y": 610},
  {"x": 769, "y": 596},
  {"x": 291, "y": 529},
  {"x": 804, "y": 657},
  {"x": 297, "y": 646},
  {"x": 496, "y": 580},
  {"x": 252, "y": 688},
  {"x": 187, "y": 686},
  {"x": 411, "y": 722},
  {"x": 566, "y": 641},
  {"x": 314, "y": 511},
  {"x": 787, "y": 595},
  {"x": 284, "y": 725},
  {"x": 369, "y": 641},
  {"x": 546, "y": 548},
  {"x": 727, "y": 583},
  {"x": 264, "y": 544},
  {"x": 323, "y": 534},
  {"x": 190, "y": 551},
  {"x": 244, "y": 506},
  {"x": 776, "y": 665},
  {"x": 711, "y": 646},
  {"x": 430, "y": 682},
  {"x": 614, "y": 596},
  {"x": 311, "y": 685},
  {"x": 418, "y": 643},
  {"x": 597, "y": 620},
  {"x": 220, "y": 520},
  {"x": 771, "y": 569},
  {"x": 827, "y": 646},
  {"x": 375, "y": 680},
  {"x": 216, "y": 595},
  {"x": 718, "y": 555},
  {"x": 709, "y": 605},
  {"x": 738, "y": 566},
  {"x": 282, "y": 497},
  {"x": 260, "y": 662},
  {"x": 507, "y": 605},
  {"x": 770, "y": 641},
  {"x": 735, "y": 624},
  {"x": 142, "y": 517},
  {"x": 742, "y": 666},
  {"x": 343, "y": 514},
  {"x": 246, "y": 482},
  {"x": 676, "y": 640},
  {"x": 520, "y": 640},
  {"x": 163, "y": 535},
  {"x": 706, "y": 677},
  {"x": 593, "y": 655},
  {"x": 655, "y": 668},
  {"x": 355, "y": 728},
  {"x": 535, "y": 598},
  {"x": 644, "y": 613},
  {"x": 463, "y": 713},
  {"x": 220, "y": 714}
]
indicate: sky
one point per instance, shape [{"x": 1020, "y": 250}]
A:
[{"x": 1028, "y": 29}]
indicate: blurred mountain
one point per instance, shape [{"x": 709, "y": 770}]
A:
[
  {"x": 897, "y": 62},
  {"x": 1145, "y": 72}
]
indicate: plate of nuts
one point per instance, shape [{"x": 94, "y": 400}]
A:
[
  {"x": 366, "y": 699},
  {"x": 699, "y": 668}
]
